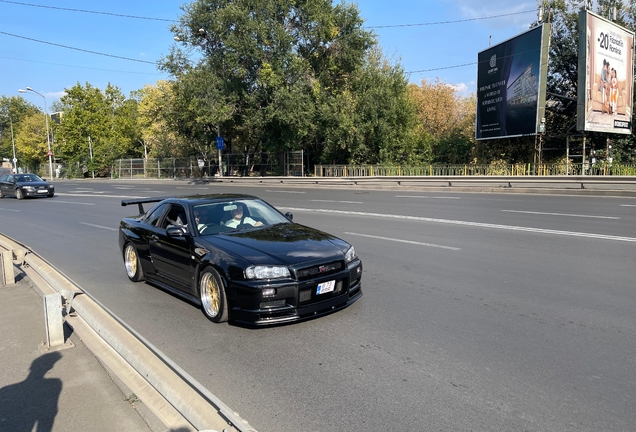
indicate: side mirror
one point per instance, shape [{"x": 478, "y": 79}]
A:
[
  {"x": 175, "y": 231},
  {"x": 289, "y": 216}
]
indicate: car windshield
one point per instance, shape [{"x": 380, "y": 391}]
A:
[
  {"x": 25, "y": 178},
  {"x": 214, "y": 218}
]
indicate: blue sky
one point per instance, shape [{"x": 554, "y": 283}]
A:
[{"x": 427, "y": 51}]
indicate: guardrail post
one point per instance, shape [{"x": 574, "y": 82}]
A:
[
  {"x": 53, "y": 320},
  {"x": 6, "y": 266}
]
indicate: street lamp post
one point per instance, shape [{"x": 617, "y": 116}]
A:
[{"x": 46, "y": 120}]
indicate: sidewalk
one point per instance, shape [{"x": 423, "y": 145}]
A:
[{"x": 66, "y": 390}]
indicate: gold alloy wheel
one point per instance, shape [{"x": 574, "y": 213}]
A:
[
  {"x": 131, "y": 261},
  {"x": 210, "y": 295}
]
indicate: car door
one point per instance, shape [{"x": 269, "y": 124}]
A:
[
  {"x": 171, "y": 254},
  {"x": 3, "y": 184},
  {"x": 9, "y": 185}
]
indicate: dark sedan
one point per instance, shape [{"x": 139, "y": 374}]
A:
[
  {"x": 239, "y": 258},
  {"x": 24, "y": 186}
]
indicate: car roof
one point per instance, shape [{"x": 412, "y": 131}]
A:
[{"x": 189, "y": 200}]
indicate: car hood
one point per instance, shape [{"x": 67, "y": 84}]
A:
[{"x": 286, "y": 244}]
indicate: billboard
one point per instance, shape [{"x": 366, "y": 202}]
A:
[
  {"x": 606, "y": 76},
  {"x": 511, "y": 85}
]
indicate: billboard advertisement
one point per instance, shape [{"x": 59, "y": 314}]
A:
[
  {"x": 511, "y": 85},
  {"x": 606, "y": 76}
]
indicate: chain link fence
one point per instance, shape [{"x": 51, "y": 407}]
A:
[{"x": 232, "y": 164}]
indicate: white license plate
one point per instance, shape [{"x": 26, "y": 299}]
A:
[
  {"x": 326, "y": 287},
  {"x": 43, "y": 191}
]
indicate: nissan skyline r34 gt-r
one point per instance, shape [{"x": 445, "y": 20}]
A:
[{"x": 239, "y": 258}]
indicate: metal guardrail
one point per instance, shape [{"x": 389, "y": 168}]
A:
[
  {"x": 509, "y": 182},
  {"x": 191, "y": 399}
]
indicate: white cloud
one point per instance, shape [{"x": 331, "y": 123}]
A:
[
  {"x": 55, "y": 95},
  {"x": 463, "y": 89}
]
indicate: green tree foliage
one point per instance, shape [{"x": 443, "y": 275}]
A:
[
  {"x": 102, "y": 122},
  {"x": 14, "y": 110},
  {"x": 30, "y": 140},
  {"x": 159, "y": 139},
  {"x": 287, "y": 75}
]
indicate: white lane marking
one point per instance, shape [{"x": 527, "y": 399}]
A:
[
  {"x": 75, "y": 192},
  {"x": 72, "y": 202},
  {"x": 99, "y": 226},
  {"x": 404, "y": 241},
  {"x": 10, "y": 210},
  {"x": 344, "y": 202},
  {"x": 628, "y": 205},
  {"x": 471, "y": 224},
  {"x": 290, "y": 192},
  {"x": 100, "y": 196},
  {"x": 424, "y": 196},
  {"x": 561, "y": 214},
  {"x": 191, "y": 188}
]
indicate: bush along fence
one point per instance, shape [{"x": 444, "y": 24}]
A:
[{"x": 493, "y": 169}]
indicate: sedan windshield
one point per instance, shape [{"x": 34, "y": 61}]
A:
[{"x": 26, "y": 178}]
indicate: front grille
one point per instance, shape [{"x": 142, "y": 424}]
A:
[
  {"x": 308, "y": 295},
  {"x": 322, "y": 269}
]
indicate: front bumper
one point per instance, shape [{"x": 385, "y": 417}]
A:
[
  {"x": 30, "y": 193},
  {"x": 298, "y": 300}
]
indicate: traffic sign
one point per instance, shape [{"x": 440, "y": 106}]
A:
[
  {"x": 220, "y": 144},
  {"x": 49, "y": 153},
  {"x": 14, "y": 160}
]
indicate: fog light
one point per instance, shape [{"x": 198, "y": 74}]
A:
[{"x": 268, "y": 292}]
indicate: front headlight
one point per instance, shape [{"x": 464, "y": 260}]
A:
[
  {"x": 266, "y": 272},
  {"x": 29, "y": 188},
  {"x": 350, "y": 255}
]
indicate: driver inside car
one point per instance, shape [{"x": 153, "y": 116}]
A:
[{"x": 238, "y": 219}]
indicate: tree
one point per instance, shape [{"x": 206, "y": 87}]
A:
[
  {"x": 12, "y": 111},
  {"x": 97, "y": 127},
  {"x": 448, "y": 118},
  {"x": 30, "y": 140},
  {"x": 267, "y": 71},
  {"x": 155, "y": 103}
]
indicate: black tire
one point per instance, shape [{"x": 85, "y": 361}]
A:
[
  {"x": 1, "y": 194},
  {"x": 132, "y": 264},
  {"x": 18, "y": 194},
  {"x": 50, "y": 195},
  {"x": 212, "y": 295}
]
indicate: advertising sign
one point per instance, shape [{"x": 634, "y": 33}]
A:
[
  {"x": 606, "y": 76},
  {"x": 511, "y": 80}
]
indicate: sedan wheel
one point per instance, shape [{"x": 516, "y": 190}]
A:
[
  {"x": 19, "y": 194},
  {"x": 1, "y": 194},
  {"x": 213, "y": 300},
  {"x": 133, "y": 266}
]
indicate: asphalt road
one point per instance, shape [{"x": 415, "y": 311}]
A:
[{"x": 480, "y": 311}]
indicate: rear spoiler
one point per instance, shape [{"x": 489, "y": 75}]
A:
[{"x": 140, "y": 202}]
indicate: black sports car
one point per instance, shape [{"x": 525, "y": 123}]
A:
[
  {"x": 25, "y": 185},
  {"x": 239, "y": 258}
]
